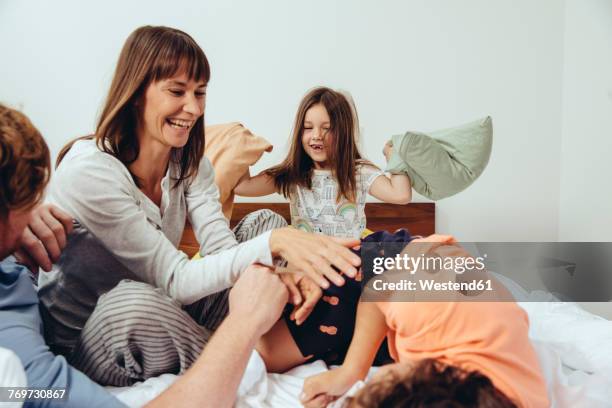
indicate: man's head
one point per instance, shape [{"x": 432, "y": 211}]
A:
[
  {"x": 24, "y": 173},
  {"x": 429, "y": 383}
]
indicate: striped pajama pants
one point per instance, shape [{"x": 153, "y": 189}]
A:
[{"x": 137, "y": 332}]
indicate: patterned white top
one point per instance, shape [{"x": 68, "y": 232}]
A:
[{"x": 317, "y": 210}]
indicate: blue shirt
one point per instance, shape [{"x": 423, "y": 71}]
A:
[{"x": 21, "y": 331}]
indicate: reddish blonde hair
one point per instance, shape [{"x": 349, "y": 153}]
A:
[
  {"x": 25, "y": 163},
  {"x": 432, "y": 383}
]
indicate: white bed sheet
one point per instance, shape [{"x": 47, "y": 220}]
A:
[{"x": 574, "y": 348}]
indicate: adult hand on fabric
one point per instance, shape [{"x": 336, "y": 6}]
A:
[
  {"x": 257, "y": 299},
  {"x": 44, "y": 238},
  {"x": 313, "y": 255}
]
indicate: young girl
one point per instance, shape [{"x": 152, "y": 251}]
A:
[
  {"x": 327, "y": 181},
  {"x": 324, "y": 176},
  {"x": 473, "y": 351}
]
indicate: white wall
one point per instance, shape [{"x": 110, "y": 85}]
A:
[
  {"x": 586, "y": 154},
  {"x": 585, "y": 212},
  {"x": 414, "y": 64}
]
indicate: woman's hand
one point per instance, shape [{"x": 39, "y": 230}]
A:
[
  {"x": 44, "y": 238},
  {"x": 321, "y": 389},
  {"x": 314, "y": 255}
]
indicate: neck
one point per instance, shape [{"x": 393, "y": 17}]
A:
[{"x": 152, "y": 163}]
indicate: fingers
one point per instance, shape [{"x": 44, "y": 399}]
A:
[
  {"x": 24, "y": 259},
  {"x": 35, "y": 249},
  {"x": 344, "y": 264},
  {"x": 313, "y": 394},
  {"x": 302, "y": 266},
  {"x": 62, "y": 217},
  {"x": 57, "y": 228},
  {"x": 312, "y": 273},
  {"x": 314, "y": 255},
  {"x": 346, "y": 253},
  {"x": 322, "y": 265},
  {"x": 294, "y": 292},
  {"x": 305, "y": 309},
  {"x": 42, "y": 231}
]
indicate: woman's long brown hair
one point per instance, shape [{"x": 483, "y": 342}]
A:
[
  {"x": 297, "y": 168},
  {"x": 149, "y": 54}
]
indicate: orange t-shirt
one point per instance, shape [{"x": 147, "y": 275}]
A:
[{"x": 490, "y": 337}]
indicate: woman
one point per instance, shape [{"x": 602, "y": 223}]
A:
[{"x": 113, "y": 303}]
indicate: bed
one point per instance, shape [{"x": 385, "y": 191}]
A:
[
  {"x": 418, "y": 218},
  {"x": 574, "y": 347}
]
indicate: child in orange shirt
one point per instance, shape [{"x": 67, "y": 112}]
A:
[{"x": 463, "y": 353}]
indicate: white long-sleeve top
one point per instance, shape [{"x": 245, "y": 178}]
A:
[{"x": 121, "y": 234}]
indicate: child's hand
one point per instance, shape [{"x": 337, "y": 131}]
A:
[
  {"x": 319, "y": 390},
  {"x": 388, "y": 150},
  {"x": 311, "y": 293}
]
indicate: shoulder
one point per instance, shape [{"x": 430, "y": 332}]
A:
[
  {"x": 87, "y": 170},
  {"x": 86, "y": 157}
]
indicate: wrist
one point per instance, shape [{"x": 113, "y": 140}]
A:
[
  {"x": 354, "y": 371},
  {"x": 250, "y": 330},
  {"x": 276, "y": 241}
]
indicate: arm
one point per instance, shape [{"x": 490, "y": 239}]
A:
[
  {"x": 260, "y": 185},
  {"x": 205, "y": 214},
  {"x": 214, "y": 378},
  {"x": 394, "y": 190},
  {"x": 370, "y": 331},
  {"x": 256, "y": 303},
  {"x": 100, "y": 194}
]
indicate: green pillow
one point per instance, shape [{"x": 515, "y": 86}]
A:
[{"x": 444, "y": 162}]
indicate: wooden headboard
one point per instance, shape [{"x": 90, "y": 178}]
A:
[{"x": 418, "y": 218}]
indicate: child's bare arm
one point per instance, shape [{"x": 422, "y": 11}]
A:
[
  {"x": 395, "y": 190},
  {"x": 370, "y": 331},
  {"x": 257, "y": 186}
]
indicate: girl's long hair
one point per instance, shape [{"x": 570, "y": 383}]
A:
[
  {"x": 149, "y": 54},
  {"x": 344, "y": 156}
]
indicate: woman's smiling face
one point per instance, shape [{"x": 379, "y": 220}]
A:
[{"x": 171, "y": 108}]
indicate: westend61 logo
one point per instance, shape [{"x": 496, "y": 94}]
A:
[
  {"x": 487, "y": 271},
  {"x": 412, "y": 264}
]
